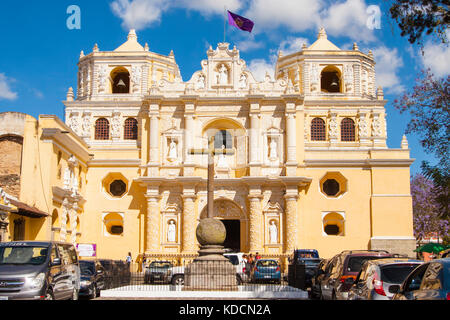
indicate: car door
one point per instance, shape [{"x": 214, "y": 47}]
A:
[
  {"x": 66, "y": 276},
  {"x": 411, "y": 284},
  {"x": 359, "y": 290},
  {"x": 327, "y": 283},
  {"x": 431, "y": 283},
  {"x": 100, "y": 276},
  {"x": 56, "y": 273}
]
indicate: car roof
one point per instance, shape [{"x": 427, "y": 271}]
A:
[
  {"x": 366, "y": 253},
  {"x": 386, "y": 261},
  {"x": 267, "y": 260}
]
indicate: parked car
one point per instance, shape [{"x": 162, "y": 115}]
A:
[
  {"x": 237, "y": 260},
  {"x": 92, "y": 278},
  {"x": 158, "y": 271},
  {"x": 316, "y": 291},
  {"x": 177, "y": 272},
  {"x": 344, "y": 265},
  {"x": 266, "y": 270},
  {"x": 38, "y": 270},
  {"x": 376, "y": 276},
  {"x": 429, "y": 281},
  {"x": 303, "y": 267}
]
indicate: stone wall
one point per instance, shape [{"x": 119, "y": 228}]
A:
[
  {"x": 11, "y": 141},
  {"x": 393, "y": 245}
]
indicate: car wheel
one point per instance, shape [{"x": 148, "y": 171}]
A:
[
  {"x": 49, "y": 295},
  {"x": 333, "y": 295},
  {"x": 178, "y": 280},
  {"x": 94, "y": 292},
  {"x": 74, "y": 294}
]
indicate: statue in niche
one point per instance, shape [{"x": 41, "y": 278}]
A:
[
  {"x": 172, "y": 150},
  {"x": 273, "y": 149},
  {"x": 273, "y": 232},
  {"x": 243, "y": 81},
  {"x": 222, "y": 163},
  {"x": 200, "y": 84},
  {"x": 222, "y": 77},
  {"x": 171, "y": 231}
]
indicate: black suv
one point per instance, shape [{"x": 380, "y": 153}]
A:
[
  {"x": 342, "y": 266},
  {"x": 92, "y": 278},
  {"x": 303, "y": 267}
]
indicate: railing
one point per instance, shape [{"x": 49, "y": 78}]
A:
[{"x": 175, "y": 278}]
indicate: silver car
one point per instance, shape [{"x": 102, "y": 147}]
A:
[{"x": 376, "y": 276}]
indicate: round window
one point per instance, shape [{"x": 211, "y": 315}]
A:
[
  {"x": 332, "y": 230},
  {"x": 331, "y": 187},
  {"x": 117, "y": 188}
]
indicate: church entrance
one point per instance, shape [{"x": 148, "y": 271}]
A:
[
  {"x": 233, "y": 238},
  {"x": 234, "y": 221}
]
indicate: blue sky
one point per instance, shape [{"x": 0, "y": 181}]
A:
[{"x": 39, "y": 53}]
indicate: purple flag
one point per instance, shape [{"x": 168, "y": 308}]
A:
[{"x": 240, "y": 22}]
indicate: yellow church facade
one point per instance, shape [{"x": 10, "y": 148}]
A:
[{"x": 306, "y": 162}]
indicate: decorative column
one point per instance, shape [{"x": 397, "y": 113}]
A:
[
  {"x": 254, "y": 133},
  {"x": 154, "y": 139},
  {"x": 190, "y": 222},
  {"x": 363, "y": 128},
  {"x": 256, "y": 220},
  {"x": 73, "y": 223},
  {"x": 65, "y": 212},
  {"x": 291, "y": 221},
  {"x": 152, "y": 224},
  {"x": 333, "y": 129},
  {"x": 291, "y": 138}
]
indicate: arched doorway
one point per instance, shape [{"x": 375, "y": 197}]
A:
[{"x": 235, "y": 223}]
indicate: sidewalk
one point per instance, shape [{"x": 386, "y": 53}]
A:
[{"x": 176, "y": 292}]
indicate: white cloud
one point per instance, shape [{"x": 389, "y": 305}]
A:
[
  {"x": 297, "y": 15},
  {"x": 259, "y": 68},
  {"x": 437, "y": 57},
  {"x": 139, "y": 14},
  {"x": 5, "y": 89},
  {"x": 348, "y": 18},
  {"x": 208, "y": 7},
  {"x": 344, "y": 18},
  {"x": 388, "y": 62},
  {"x": 292, "y": 44}
]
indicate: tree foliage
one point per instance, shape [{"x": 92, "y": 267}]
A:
[
  {"x": 426, "y": 210},
  {"x": 428, "y": 106},
  {"x": 414, "y": 17}
]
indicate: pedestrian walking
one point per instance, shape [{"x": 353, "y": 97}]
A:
[{"x": 257, "y": 256}]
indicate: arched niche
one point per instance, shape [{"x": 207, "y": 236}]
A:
[
  {"x": 331, "y": 80},
  {"x": 120, "y": 80}
]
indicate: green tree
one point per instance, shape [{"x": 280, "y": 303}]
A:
[
  {"x": 414, "y": 17},
  {"x": 428, "y": 105}
]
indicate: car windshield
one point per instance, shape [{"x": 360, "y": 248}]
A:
[
  {"x": 233, "y": 259},
  {"x": 396, "y": 273},
  {"x": 267, "y": 263},
  {"x": 312, "y": 261},
  {"x": 23, "y": 255},
  {"x": 306, "y": 254},
  {"x": 87, "y": 268},
  {"x": 160, "y": 265},
  {"x": 355, "y": 263}
]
